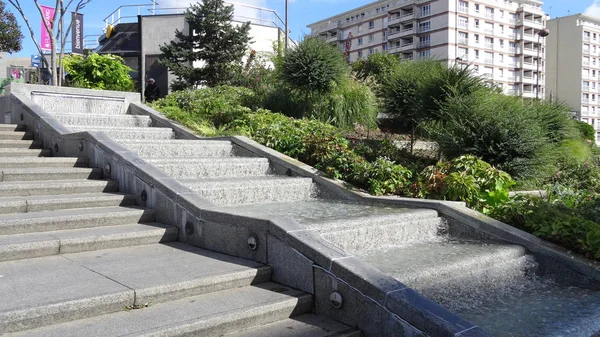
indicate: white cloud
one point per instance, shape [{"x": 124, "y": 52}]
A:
[{"x": 593, "y": 9}]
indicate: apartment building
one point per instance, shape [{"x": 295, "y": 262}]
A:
[
  {"x": 499, "y": 38},
  {"x": 573, "y": 63}
]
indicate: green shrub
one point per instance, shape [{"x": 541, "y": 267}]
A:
[
  {"x": 312, "y": 69},
  {"x": 95, "y": 71},
  {"x": 467, "y": 179},
  {"x": 217, "y": 105},
  {"x": 349, "y": 103},
  {"x": 587, "y": 131},
  {"x": 379, "y": 66},
  {"x": 497, "y": 128}
]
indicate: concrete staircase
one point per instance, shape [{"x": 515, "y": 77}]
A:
[
  {"x": 495, "y": 285},
  {"x": 79, "y": 258}
]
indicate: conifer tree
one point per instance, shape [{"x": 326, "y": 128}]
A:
[{"x": 213, "y": 40}]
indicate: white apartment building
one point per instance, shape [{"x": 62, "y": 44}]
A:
[
  {"x": 498, "y": 38},
  {"x": 573, "y": 63}
]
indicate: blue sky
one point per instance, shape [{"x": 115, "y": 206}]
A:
[{"x": 301, "y": 13}]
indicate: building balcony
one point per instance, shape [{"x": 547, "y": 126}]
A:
[
  {"x": 529, "y": 79},
  {"x": 586, "y": 63},
  {"x": 586, "y": 51},
  {"x": 399, "y": 4},
  {"x": 535, "y": 23},
  {"x": 584, "y": 88},
  {"x": 530, "y": 51},
  {"x": 407, "y": 17},
  {"x": 586, "y": 39},
  {"x": 489, "y": 45},
  {"x": 489, "y": 16},
  {"x": 330, "y": 27},
  {"x": 394, "y": 21},
  {"x": 424, "y": 44},
  {"x": 529, "y": 93},
  {"x": 530, "y": 65},
  {"x": 529, "y": 37},
  {"x": 489, "y": 31},
  {"x": 407, "y": 32},
  {"x": 585, "y": 100},
  {"x": 464, "y": 10},
  {"x": 334, "y": 38},
  {"x": 512, "y": 50},
  {"x": 463, "y": 41},
  {"x": 407, "y": 46},
  {"x": 488, "y": 61}
]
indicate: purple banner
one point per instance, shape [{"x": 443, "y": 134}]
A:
[{"x": 45, "y": 41}]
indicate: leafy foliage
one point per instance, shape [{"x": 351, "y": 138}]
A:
[
  {"x": 379, "y": 66},
  {"x": 587, "y": 131},
  {"x": 522, "y": 140},
  {"x": 10, "y": 32},
  {"x": 312, "y": 68},
  {"x": 95, "y": 71},
  {"x": 216, "y": 42}
]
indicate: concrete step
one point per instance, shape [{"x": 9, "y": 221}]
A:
[
  {"x": 26, "y": 246},
  {"x": 103, "y": 120},
  {"x": 50, "y": 173},
  {"x": 24, "y": 162},
  {"x": 55, "y": 187},
  {"x": 21, "y": 144},
  {"x": 64, "y": 103},
  {"x": 400, "y": 226},
  {"x": 50, "y": 290},
  {"x": 19, "y": 223},
  {"x": 419, "y": 264},
  {"x": 23, "y": 152},
  {"x": 37, "y": 203},
  {"x": 13, "y": 127},
  {"x": 308, "y": 325},
  {"x": 179, "y": 148},
  {"x": 220, "y": 167},
  {"x": 253, "y": 190},
  {"x": 128, "y": 133},
  {"x": 213, "y": 314},
  {"x": 16, "y": 135},
  {"x": 325, "y": 213}
]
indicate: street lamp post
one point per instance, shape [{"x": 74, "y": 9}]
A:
[
  {"x": 541, "y": 33},
  {"x": 286, "y": 25}
]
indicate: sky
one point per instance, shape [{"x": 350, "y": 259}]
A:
[{"x": 301, "y": 13}]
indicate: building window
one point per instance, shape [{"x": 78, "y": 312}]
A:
[
  {"x": 463, "y": 6},
  {"x": 463, "y": 22},
  {"x": 385, "y": 36},
  {"x": 489, "y": 13},
  {"x": 424, "y": 41},
  {"x": 385, "y": 47},
  {"x": 476, "y": 8},
  {"x": 360, "y": 41},
  {"x": 489, "y": 42},
  {"x": 359, "y": 53},
  {"x": 424, "y": 27},
  {"x": 360, "y": 28},
  {"x": 463, "y": 53},
  {"x": 371, "y": 38},
  {"x": 501, "y": 42},
  {"x": 371, "y": 24},
  {"x": 377, "y": 10},
  {"x": 371, "y": 51},
  {"x": 476, "y": 23},
  {"x": 463, "y": 38},
  {"x": 424, "y": 54},
  {"x": 489, "y": 57},
  {"x": 477, "y": 38},
  {"x": 425, "y": 10},
  {"x": 500, "y": 72}
]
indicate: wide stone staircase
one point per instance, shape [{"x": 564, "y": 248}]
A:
[
  {"x": 498, "y": 286},
  {"x": 79, "y": 258}
]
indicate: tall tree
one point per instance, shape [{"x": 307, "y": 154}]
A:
[
  {"x": 10, "y": 32},
  {"x": 212, "y": 40}
]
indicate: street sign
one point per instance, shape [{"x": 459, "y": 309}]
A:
[{"x": 36, "y": 61}]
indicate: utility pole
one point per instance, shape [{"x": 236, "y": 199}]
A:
[
  {"x": 541, "y": 33},
  {"x": 286, "y": 25}
]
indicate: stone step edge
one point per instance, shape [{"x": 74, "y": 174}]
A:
[
  {"x": 49, "y": 202},
  {"x": 296, "y": 303},
  {"x": 55, "y": 245}
]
